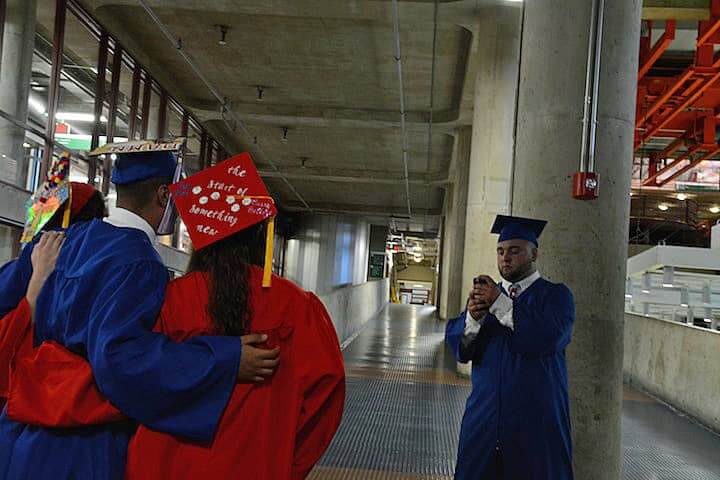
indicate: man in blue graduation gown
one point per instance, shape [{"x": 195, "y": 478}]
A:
[
  {"x": 101, "y": 302},
  {"x": 516, "y": 424}
]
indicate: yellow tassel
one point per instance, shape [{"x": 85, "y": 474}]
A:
[
  {"x": 269, "y": 240},
  {"x": 68, "y": 209}
]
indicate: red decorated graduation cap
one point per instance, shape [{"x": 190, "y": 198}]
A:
[{"x": 224, "y": 199}]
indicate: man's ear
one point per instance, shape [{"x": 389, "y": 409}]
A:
[
  {"x": 534, "y": 254},
  {"x": 163, "y": 195}
]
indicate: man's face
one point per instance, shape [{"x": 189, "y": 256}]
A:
[{"x": 516, "y": 259}]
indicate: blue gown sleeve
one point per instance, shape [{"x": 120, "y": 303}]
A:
[
  {"x": 177, "y": 388},
  {"x": 14, "y": 278},
  {"x": 461, "y": 348},
  {"x": 545, "y": 331}
]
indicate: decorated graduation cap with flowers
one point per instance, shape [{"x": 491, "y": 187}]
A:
[
  {"x": 54, "y": 193},
  {"x": 224, "y": 199}
]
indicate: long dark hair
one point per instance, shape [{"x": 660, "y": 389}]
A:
[{"x": 228, "y": 264}]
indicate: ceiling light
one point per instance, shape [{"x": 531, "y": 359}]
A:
[
  {"x": 75, "y": 117},
  {"x": 682, "y": 197},
  {"x": 663, "y": 207},
  {"x": 715, "y": 209},
  {"x": 39, "y": 88},
  {"x": 36, "y": 105}
]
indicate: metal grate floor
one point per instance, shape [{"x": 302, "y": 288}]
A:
[{"x": 405, "y": 402}]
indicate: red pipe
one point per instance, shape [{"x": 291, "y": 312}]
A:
[
  {"x": 651, "y": 180},
  {"x": 688, "y": 167}
]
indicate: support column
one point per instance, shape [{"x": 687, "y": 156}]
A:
[
  {"x": 451, "y": 296},
  {"x": 493, "y": 130},
  {"x": 585, "y": 244},
  {"x": 15, "y": 74}
]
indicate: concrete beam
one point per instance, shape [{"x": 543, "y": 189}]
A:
[
  {"x": 354, "y": 178},
  {"x": 365, "y": 210},
  {"x": 305, "y": 115}
]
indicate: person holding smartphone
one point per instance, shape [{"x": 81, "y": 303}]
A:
[{"x": 516, "y": 424}]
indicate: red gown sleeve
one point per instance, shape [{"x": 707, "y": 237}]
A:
[
  {"x": 53, "y": 387},
  {"x": 322, "y": 377},
  {"x": 13, "y": 334}
]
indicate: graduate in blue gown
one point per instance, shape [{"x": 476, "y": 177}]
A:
[
  {"x": 516, "y": 424},
  {"x": 101, "y": 302}
]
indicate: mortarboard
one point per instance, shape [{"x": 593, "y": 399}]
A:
[
  {"x": 513, "y": 228},
  {"x": 51, "y": 195},
  {"x": 139, "y": 160},
  {"x": 224, "y": 199}
]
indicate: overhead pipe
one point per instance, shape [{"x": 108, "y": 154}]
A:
[
  {"x": 224, "y": 104},
  {"x": 585, "y": 182},
  {"x": 432, "y": 103},
  {"x": 403, "y": 129}
]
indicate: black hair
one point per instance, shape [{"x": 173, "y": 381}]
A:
[
  {"x": 228, "y": 263},
  {"x": 139, "y": 194}
]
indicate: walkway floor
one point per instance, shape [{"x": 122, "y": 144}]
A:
[{"x": 405, "y": 403}]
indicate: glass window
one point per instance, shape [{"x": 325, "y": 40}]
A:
[{"x": 9, "y": 242}]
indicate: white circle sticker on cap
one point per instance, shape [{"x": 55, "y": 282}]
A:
[
  {"x": 215, "y": 196},
  {"x": 197, "y": 190},
  {"x": 203, "y": 200},
  {"x": 246, "y": 201},
  {"x": 235, "y": 207},
  {"x": 230, "y": 199}
]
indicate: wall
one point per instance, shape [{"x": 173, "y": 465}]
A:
[
  {"x": 421, "y": 273},
  {"x": 677, "y": 363},
  {"x": 328, "y": 251},
  {"x": 351, "y": 307}
]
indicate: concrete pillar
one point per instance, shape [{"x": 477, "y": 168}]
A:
[
  {"x": 451, "y": 301},
  {"x": 15, "y": 74},
  {"x": 489, "y": 193},
  {"x": 585, "y": 244}
]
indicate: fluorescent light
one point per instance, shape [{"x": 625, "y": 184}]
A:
[
  {"x": 627, "y": 295},
  {"x": 663, "y": 207},
  {"x": 715, "y": 209},
  {"x": 667, "y": 285},
  {"x": 682, "y": 197},
  {"x": 36, "y": 105},
  {"x": 707, "y": 320},
  {"x": 684, "y": 305},
  {"x": 75, "y": 117},
  {"x": 26, "y": 145},
  {"x": 646, "y": 291}
]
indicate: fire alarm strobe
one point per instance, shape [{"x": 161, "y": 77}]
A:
[{"x": 586, "y": 185}]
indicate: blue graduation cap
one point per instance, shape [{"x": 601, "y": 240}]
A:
[
  {"x": 137, "y": 166},
  {"x": 142, "y": 159},
  {"x": 514, "y": 228}
]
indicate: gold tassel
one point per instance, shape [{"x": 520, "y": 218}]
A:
[
  {"x": 68, "y": 209},
  {"x": 269, "y": 240}
]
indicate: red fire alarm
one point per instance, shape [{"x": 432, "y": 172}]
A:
[{"x": 586, "y": 185}]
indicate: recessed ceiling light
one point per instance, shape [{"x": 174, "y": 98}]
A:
[
  {"x": 663, "y": 207},
  {"x": 682, "y": 197},
  {"x": 715, "y": 209}
]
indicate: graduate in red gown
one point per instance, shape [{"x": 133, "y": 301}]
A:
[
  {"x": 273, "y": 429},
  {"x": 84, "y": 204}
]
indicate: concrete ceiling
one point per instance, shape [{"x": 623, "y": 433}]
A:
[{"x": 328, "y": 75}]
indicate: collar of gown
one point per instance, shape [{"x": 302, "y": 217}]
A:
[
  {"x": 121, "y": 217},
  {"x": 524, "y": 283}
]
